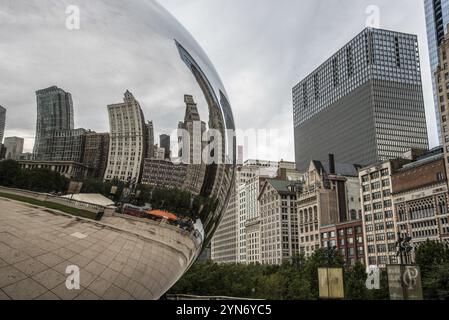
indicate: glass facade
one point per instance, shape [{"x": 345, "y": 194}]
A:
[
  {"x": 437, "y": 18},
  {"x": 364, "y": 104},
  {"x": 54, "y": 113}
]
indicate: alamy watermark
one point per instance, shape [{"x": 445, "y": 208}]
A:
[
  {"x": 73, "y": 18},
  {"x": 73, "y": 281},
  {"x": 373, "y": 279},
  {"x": 373, "y": 19}
]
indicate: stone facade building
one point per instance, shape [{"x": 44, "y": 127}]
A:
[
  {"x": 14, "y": 147},
  {"x": 224, "y": 248},
  {"x": 253, "y": 240},
  {"x": 379, "y": 225},
  {"x": 127, "y": 140},
  {"x": 330, "y": 195},
  {"x": 279, "y": 221},
  {"x": 238, "y": 225},
  {"x": 406, "y": 195},
  {"x": 421, "y": 199}
]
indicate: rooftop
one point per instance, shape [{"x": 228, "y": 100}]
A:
[
  {"x": 282, "y": 186},
  {"x": 342, "y": 169}
]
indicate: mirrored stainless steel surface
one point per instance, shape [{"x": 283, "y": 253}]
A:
[{"x": 133, "y": 71}]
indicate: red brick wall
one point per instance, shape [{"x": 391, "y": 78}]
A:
[{"x": 418, "y": 177}]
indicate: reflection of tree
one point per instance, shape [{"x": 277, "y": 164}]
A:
[{"x": 180, "y": 202}]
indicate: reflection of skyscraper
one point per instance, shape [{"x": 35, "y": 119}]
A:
[
  {"x": 437, "y": 18},
  {"x": 150, "y": 141},
  {"x": 2, "y": 123},
  {"x": 54, "y": 112},
  {"x": 14, "y": 147},
  {"x": 63, "y": 145},
  {"x": 240, "y": 156},
  {"x": 127, "y": 140},
  {"x": 218, "y": 175},
  {"x": 192, "y": 156},
  {"x": 96, "y": 151},
  {"x": 164, "y": 141}
]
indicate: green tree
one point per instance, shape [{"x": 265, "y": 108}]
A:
[
  {"x": 433, "y": 260},
  {"x": 10, "y": 172},
  {"x": 431, "y": 254},
  {"x": 355, "y": 282}
]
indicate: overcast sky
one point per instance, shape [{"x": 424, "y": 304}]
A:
[{"x": 262, "y": 48}]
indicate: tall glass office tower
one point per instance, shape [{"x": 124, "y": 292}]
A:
[
  {"x": 54, "y": 113},
  {"x": 437, "y": 18},
  {"x": 364, "y": 104}
]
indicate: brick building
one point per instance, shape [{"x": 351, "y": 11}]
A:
[{"x": 420, "y": 197}]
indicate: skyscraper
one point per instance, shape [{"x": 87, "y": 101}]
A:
[
  {"x": 165, "y": 143},
  {"x": 127, "y": 140},
  {"x": 364, "y": 104},
  {"x": 437, "y": 18},
  {"x": 442, "y": 82},
  {"x": 2, "y": 123},
  {"x": 150, "y": 140},
  {"x": 54, "y": 112},
  {"x": 192, "y": 146}
]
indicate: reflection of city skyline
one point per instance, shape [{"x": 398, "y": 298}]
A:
[
  {"x": 219, "y": 176},
  {"x": 57, "y": 140}
]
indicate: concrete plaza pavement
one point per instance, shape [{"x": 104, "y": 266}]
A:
[{"x": 118, "y": 258}]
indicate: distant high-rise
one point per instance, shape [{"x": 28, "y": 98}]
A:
[
  {"x": 14, "y": 147},
  {"x": 437, "y": 18},
  {"x": 2, "y": 123},
  {"x": 150, "y": 140},
  {"x": 442, "y": 81},
  {"x": 165, "y": 143},
  {"x": 127, "y": 140},
  {"x": 54, "y": 113},
  {"x": 240, "y": 152},
  {"x": 192, "y": 146},
  {"x": 364, "y": 104}
]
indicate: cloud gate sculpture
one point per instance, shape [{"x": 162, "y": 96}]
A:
[{"x": 131, "y": 70}]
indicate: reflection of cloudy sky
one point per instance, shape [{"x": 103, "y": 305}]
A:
[
  {"x": 119, "y": 47},
  {"x": 260, "y": 47}
]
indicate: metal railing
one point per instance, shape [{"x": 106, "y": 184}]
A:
[{"x": 56, "y": 199}]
